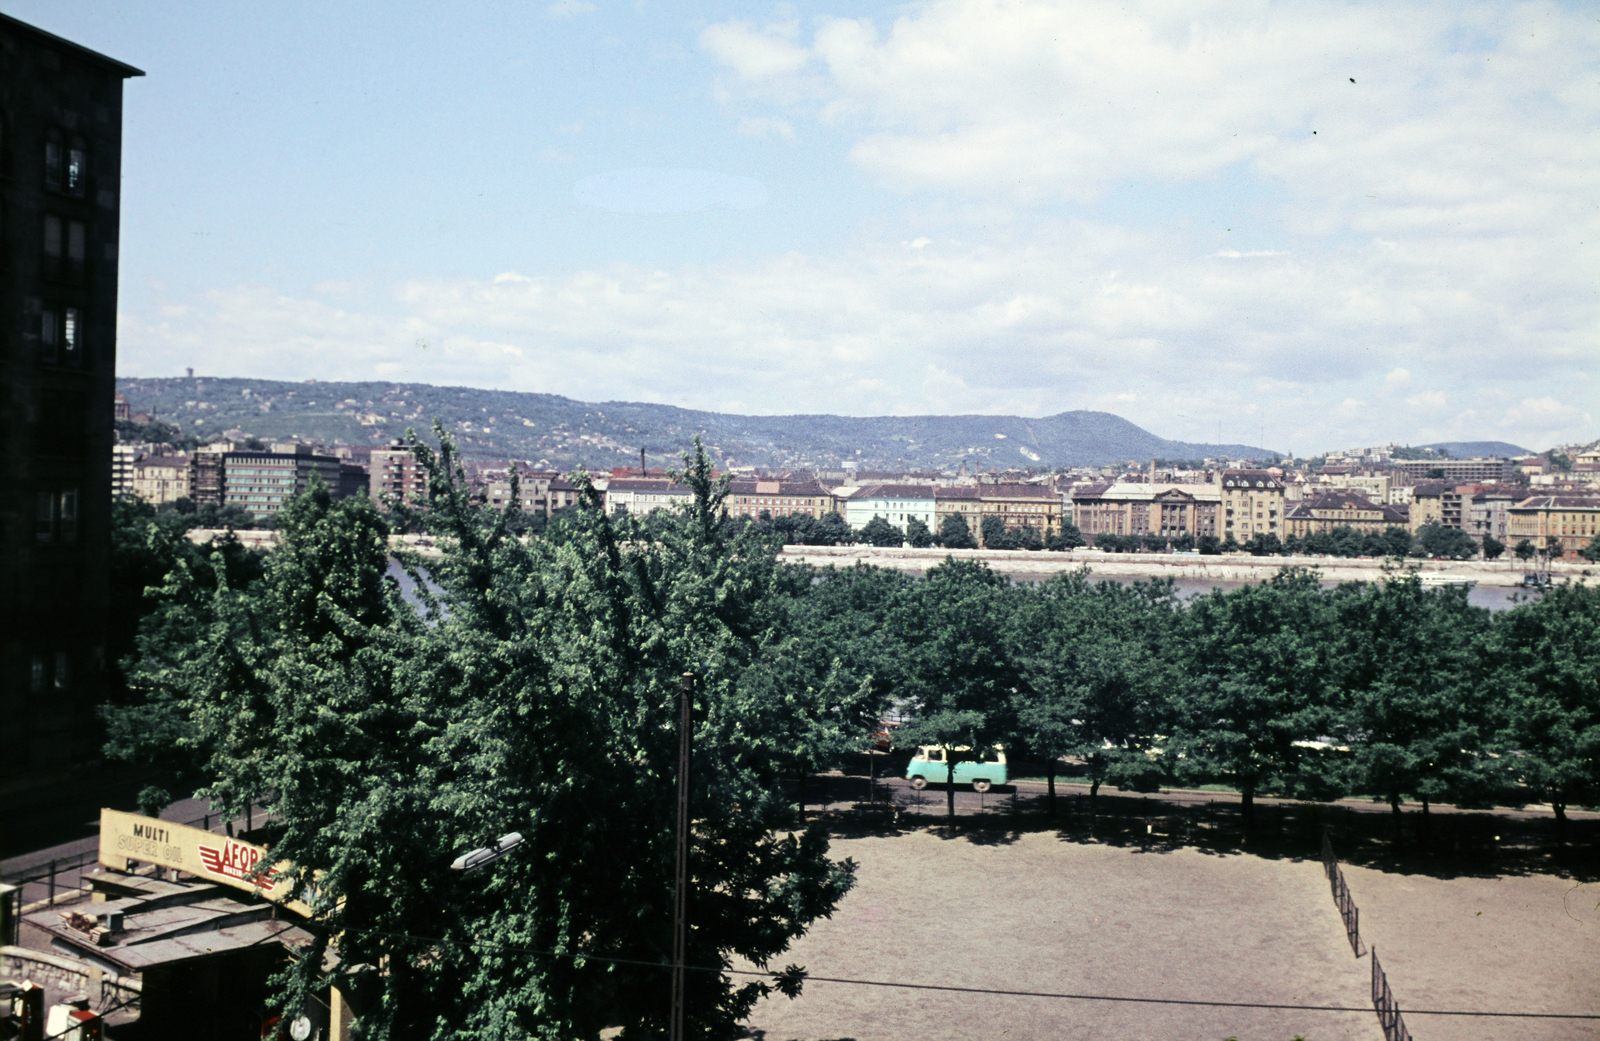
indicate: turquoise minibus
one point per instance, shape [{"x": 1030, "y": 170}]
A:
[{"x": 983, "y": 769}]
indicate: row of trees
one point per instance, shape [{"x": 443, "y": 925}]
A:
[
  {"x": 1391, "y": 690},
  {"x": 529, "y": 682}
]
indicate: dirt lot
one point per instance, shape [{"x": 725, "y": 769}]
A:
[
  {"x": 1512, "y": 944},
  {"x": 1031, "y": 912},
  {"x": 1034, "y": 911}
]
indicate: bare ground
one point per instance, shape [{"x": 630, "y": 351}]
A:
[{"x": 1032, "y": 912}]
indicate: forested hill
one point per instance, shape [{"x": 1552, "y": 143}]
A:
[{"x": 562, "y": 432}]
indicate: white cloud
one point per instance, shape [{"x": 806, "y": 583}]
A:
[
  {"x": 1058, "y": 317},
  {"x": 1421, "y": 267}
]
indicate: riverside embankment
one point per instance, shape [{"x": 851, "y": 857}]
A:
[{"x": 1238, "y": 567}]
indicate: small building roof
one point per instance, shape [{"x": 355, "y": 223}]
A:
[{"x": 919, "y": 492}]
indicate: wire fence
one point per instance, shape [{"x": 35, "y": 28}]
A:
[
  {"x": 1342, "y": 898},
  {"x": 1394, "y": 1026},
  {"x": 1388, "y": 1009}
]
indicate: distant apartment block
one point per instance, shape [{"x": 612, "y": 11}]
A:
[
  {"x": 897, "y": 504},
  {"x": 160, "y": 479},
  {"x": 1147, "y": 509},
  {"x": 1017, "y": 505},
  {"x": 1456, "y": 471},
  {"x": 395, "y": 475},
  {"x": 60, "y": 200},
  {"x": 1341, "y": 509},
  {"x": 1572, "y": 520},
  {"x": 1488, "y": 512},
  {"x": 123, "y": 458},
  {"x": 777, "y": 498},
  {"x": 643, "y": 496},
  {"x": 1252, "y": 504}
]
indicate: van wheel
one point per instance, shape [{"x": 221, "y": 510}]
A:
[
  {"x": 919, "y": 782},
  {"x": 981, "y": 785}
]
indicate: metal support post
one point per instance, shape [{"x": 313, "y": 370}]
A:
[{"x": 680, "y": 886}]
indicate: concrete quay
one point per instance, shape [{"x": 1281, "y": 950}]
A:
[{"x": 1236, "y": 567}]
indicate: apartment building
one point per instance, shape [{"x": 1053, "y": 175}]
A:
[
  {"x": 778, "y": 498},
  {"x": 1487, "y": 512},
  {"x": 1017, "y": 505},
  {"x": 1146, "y": 509},
  {"x": 898, "y": 504},
  {"x": 1456, "y": 471},
  {"x": 1341, "y": 509},
  {"x": 60, "y": 205},
  {"x": 163, "y": 478},
  {"x": 394, "y": 475},
  {"x": 260, "y": 483},
  {"x": 1572, "y": 520},
  {"x": 642, "y": 496},
  {"x": 123, "y": 458},
  {"x": 1252, "y": 503}
]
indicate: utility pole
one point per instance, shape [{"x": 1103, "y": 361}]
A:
[{"x": 680, "y": 886}]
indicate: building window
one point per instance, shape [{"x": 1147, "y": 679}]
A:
[
  {"x": 63, "y": 670},
  {"x": 54, "y": 154},
  {"x": 52, "y": 244},
  {"x": 56, "y": 516},
  {"x": 36, "y": 680},
  {"x": 77, "y": 167}
]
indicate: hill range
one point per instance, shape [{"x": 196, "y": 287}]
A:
[{"x": 553, "y": 431}]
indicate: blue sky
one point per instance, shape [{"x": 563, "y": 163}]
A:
[{"x": 1185, "y": 214}]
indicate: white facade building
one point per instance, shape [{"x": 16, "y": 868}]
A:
[{"x": 895, "y": 503}]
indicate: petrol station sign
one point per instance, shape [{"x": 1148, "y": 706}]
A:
[{"x": 203, "y": 854}]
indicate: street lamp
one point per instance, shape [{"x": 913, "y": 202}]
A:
[{"x": 482, "y": 857}]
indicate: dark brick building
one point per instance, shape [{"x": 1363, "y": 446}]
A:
[{"x": 60, "y": 173}]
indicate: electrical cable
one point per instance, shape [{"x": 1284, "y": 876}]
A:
[{"x": 992, "y": 990}]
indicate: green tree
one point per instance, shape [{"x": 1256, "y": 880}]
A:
[
  {"x": 917, "y": 534},
  {"x": 1549, "y": 676},
  {"x": 1258, "y": 679},
  {"x": 1412, "y": 674},
  {"x": 1027, "y": 537},
  {"x": 879, "y": 532},
  {"x": 1229, "y": 545},
  {"x": 960, "y": 677},
  {"x": 1208, "y": 545},
  {"x": 533, "y": 691},
  {"x": 954, "y": 533},
  {"x": 1263, "y": 544},
  {"x": 1591, "y": 552},
  {"x": 1525, "y": 549},
  {"x": 1493, "y": 548},
  {"x": 1396, "y": 541},
  {"x": 1069, "y": 537},
  {"x": 995, "y": 533},
  {"x": 1439, "y": 540},
  {"x": 1096, "y": 667}
]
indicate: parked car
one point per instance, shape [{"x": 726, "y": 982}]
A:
[{"x": 983, "y": 769}]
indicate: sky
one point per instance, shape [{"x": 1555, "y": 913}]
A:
[{"x": 1303, "y": 226}]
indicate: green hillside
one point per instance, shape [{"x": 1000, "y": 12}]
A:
[{"x": 548, "y": 430}]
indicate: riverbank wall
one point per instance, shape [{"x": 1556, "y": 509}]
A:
[{"x": 1237, "y": 567}]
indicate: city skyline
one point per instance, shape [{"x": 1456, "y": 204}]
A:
[{"x": 1325, "y": 227}]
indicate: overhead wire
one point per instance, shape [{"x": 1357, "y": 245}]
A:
[{"x": 996, "y": 991}]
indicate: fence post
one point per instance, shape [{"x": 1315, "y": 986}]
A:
[{"x": 52, "y": 884}]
